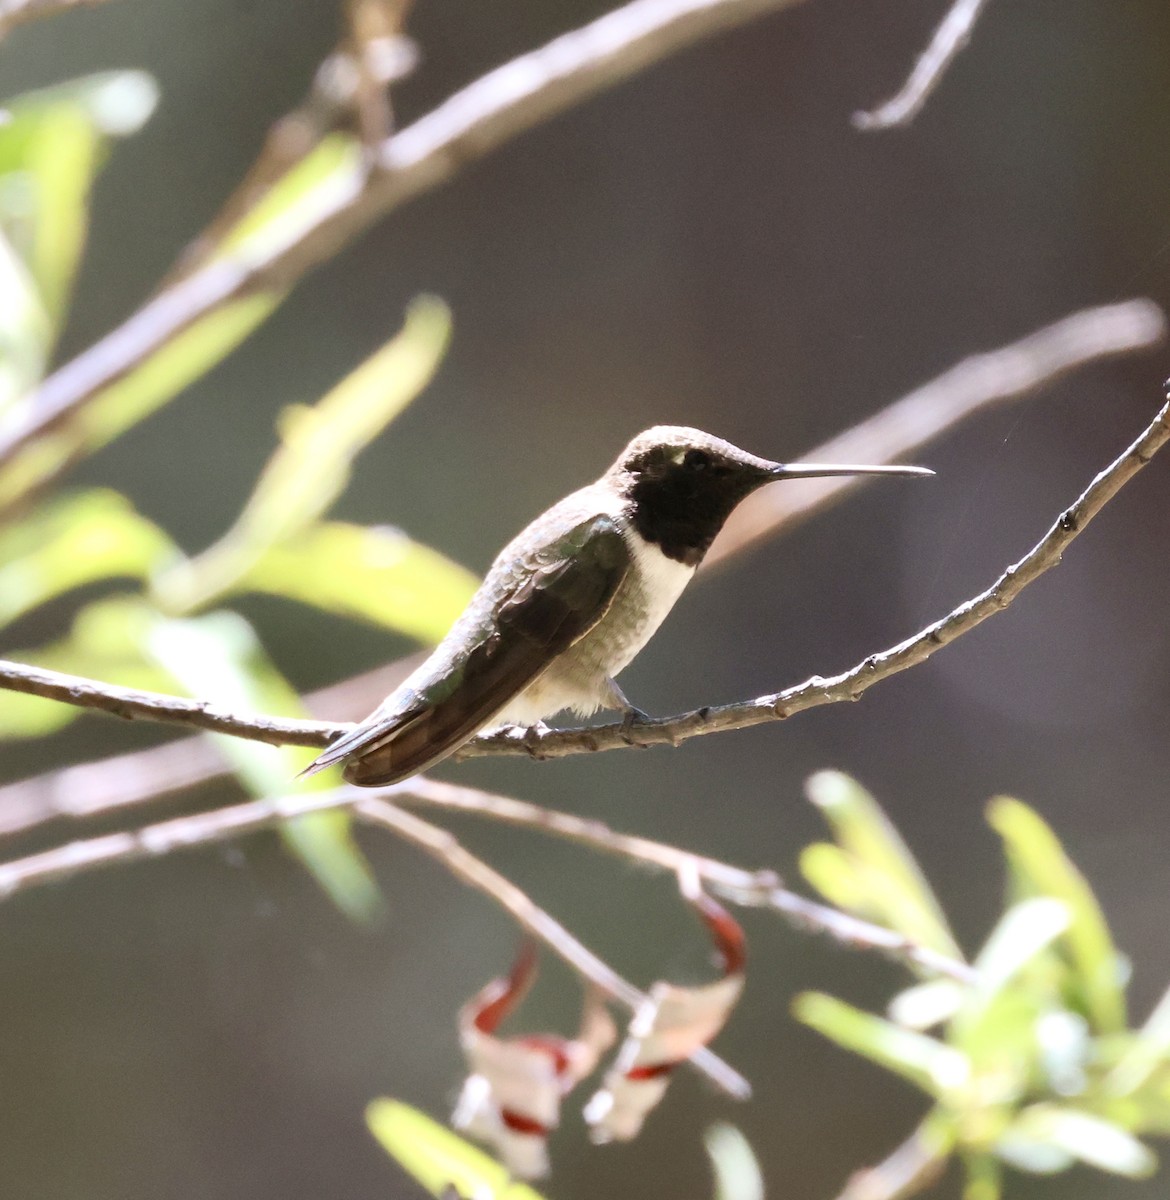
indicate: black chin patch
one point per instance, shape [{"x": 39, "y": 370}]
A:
[{"x": 681, "y": 512}]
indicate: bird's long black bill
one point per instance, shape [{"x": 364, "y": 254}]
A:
[{"x": 818, "y": 470}]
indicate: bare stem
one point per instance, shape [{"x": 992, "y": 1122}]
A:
[{"x": 949, "y": 38}]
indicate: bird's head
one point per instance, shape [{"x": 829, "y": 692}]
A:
[{"x": 681, "y": 484}]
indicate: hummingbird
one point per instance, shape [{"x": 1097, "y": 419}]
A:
[{"x": 569, "y": 602}]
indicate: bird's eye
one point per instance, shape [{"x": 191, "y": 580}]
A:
[{"x": 697, "y": 460}]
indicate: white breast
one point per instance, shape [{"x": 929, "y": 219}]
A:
[{"x": 661, "y": 581}]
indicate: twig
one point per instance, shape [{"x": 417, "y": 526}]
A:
[
  {"x": 18, "y": 12},
  {"x": 749, "y": 889},
  {"x": 975, "y": 383},
  {"x": 227, "y": 824},
  {"x": 127, "y": 780},
  {"x": 487, "y": 113},
  {"x": 949, "y": 38},
  {"x": 813, "y": 693},
  {"x": 445, "y": 847}
]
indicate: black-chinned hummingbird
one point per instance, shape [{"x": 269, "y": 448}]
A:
[{"x": 569, "y": 602}]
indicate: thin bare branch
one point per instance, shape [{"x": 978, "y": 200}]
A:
[
  {"x": 227, "y": 824},
  {"x": 813, "y": 693},
  {"x": 950, "y": 37},
  {"x": 747, "y": 888},
  {"x": 487, "y": 113},
  {"x": 972, "y": 385},
  {"x": 127, "y": 780},
  {"x": 464, "y": 865},
  {"x": 18, "y": 12}
]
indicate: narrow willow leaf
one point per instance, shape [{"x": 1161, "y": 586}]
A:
[
  {"x": 1040, "y": 867},
  {"x": 927, "y": 1004},
  {"x": 51, "y": 147},
  {"x": 131, "y": 399},
  {"x": 375, "y": 574},
  {"x": 219, "y": 657},
  {"x": 1086, "y": 1137},
  {"x": 897, "y": 890},
  {"x": 1148, "y": 1051},
  {"x": 737, "y": 1172},
  {"x": 438, "y": 1158},
  {"x": 74, "y": 540},
  {"x": 936, "y": 1068},
  {"x": 312, "y": 465},
  {"x": 25, "y": 329}
]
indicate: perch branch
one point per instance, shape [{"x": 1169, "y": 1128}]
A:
[
  {"x": 497, "y": 107},
  {"x": 554, "y": 743},
  {"x": 949, "y": 39},
  {"x": 126, "y": 780}
]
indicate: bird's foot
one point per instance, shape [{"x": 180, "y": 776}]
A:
[
  {"x": 630, "y": 717},
  {"x": 528, "y": 736}
]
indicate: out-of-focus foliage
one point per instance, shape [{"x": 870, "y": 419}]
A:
[
  {"x": 445, "y": 1164},
  {"x": 141, "y": 632},
  {"x": 737, "y": 1174},
  {"x": 1030, "y": 1064}
]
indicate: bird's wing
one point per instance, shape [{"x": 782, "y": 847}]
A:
[{"x": 558, "y": 595}]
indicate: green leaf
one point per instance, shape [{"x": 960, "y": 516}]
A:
[
  {"x": 74, "y": 540},
  {"x": 1149, "y": 1051},
  {"x": 737, "y": 1173},
  {"x": 1040, "y": 867},
  {"x": 330, "y": 170},
  {"x": 375, "y": 574},
  {"x": 936, "y": 1068},
  {"x": 438, "y": 1158},
  {"x": 1083, "y": 1136},
  {"x": 218, "y": 657},
  {"x": 927, "y": 1004},
  {"x": 134, "y": 397},
  {"x": 25, "y": 330},
  {"x": 51, "y": 147},
  {"x": 888, "y": 884},
  {"x": 312, "y": 465}
]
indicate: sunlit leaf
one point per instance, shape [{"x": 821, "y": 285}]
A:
[
  {"x": 1040, "y": 867},
  {"x": 375, "y": 574},
  {"x": 1146, "y": 1054},
  {"x": 929, "y": 1064},
  {"x": 737, "y": 1173},
  {"x": 138, "y": 394},
  {"x": 1086, "y": 1137},
  {"x": 438, "y": 1158},
  {"x": 74, "y": 540},
  {"x": 927, "y": 1004},
  {"x": 889, "y": 885},
  {"x": 312, "y": 465},
  {"x": 25, "y": 330},
  {"x": 51, "y": 147},
  {"x": 218, "y": 657},
  {"x": 330, "y": 170}
]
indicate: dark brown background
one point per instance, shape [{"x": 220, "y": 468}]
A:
[{"x": 711, "y": 244}]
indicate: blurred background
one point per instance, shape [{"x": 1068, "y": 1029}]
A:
[{"x": 710, "y": 244}]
